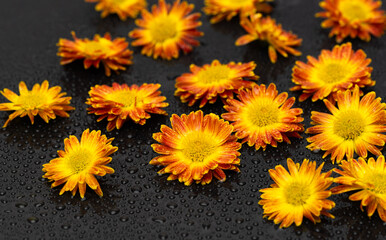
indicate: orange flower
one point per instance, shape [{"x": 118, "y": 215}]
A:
[
  {"x": 266, "y": 29},
  {"x": 167, "y": 29},
  {"x": 227, "y": 9},
  {"x": 120, "y": 102},
  {"x": 213, "y": 80},
  {"x": 263, "y": 117},
  {"x": 339, "y": 69},
  {"x": 123, "y": 8},
  {"x": 196, "y": 148},
  {"x": 113, "y": 54},
  {"x": 47, "y": 102},
  {"x": 369, "y": 178},
  {"x": 354, "y": 18}
]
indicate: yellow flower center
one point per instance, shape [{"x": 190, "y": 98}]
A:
[
  {"x": 214, "y": 75},
  {"x": 236, "y": 4},
  {"x": 349, "y": 125},
  {"x": 333, "y": 73},
  {"x": 129, "y": 99},
  {"x": 102, "y": 46},
  {"x": 31, "y": 100},
  {"x": 297, "y": 193},
  {"x": 79, "y": 160},
  {"x": 122, "y": 3},
  {"x": 378, "y": 180},
  {"x": 163, "y": 28},
  {"x": 262, "y": 113},
  {"x": 197, "y": 147},
  {"x": 355, "y": 10}
]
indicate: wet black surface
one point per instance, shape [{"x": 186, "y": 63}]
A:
[{"x": 137, "y": 203}]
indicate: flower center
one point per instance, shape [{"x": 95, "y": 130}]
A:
[
  {"x": 333, "y": 73},
  {"x": 262, "y": 113},
  {"x": 297, "y": 193},
  {"x": 378, "y": 180},
  {"x": 163, "y": 28},
  {"x": 197, "y": 147},
  {"x": 31, "y": 100},
  {"x": 79, "y": 160},
  {"x": 354, "y": 10},
  {"x": 237, "y": 3},
  {"x": 214, "y": 75},
  {"x": 349, "y": 125},
  {"x": 129, "y": 99},
  {"x": 102, "y": 46}
]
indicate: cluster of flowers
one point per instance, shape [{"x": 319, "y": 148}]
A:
[{"x": 198, "y": 147}]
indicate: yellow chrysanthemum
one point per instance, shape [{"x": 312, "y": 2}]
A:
[
  {"x": 266, "y": 29},
  {"x": 113, "y": 54},
  {"x": 42, "y": 100},
  {"x": 339, "y": 69},
  {"x": 354, "y": 125},
  {"x": 354, "y": 18},
  {"x": 301, "y": 192},
  {"x": 369, "y": 178},
  {"x": 196, "y": 148},
  {"x": 263, "y": 117},
  {"x": 121, "y": 102},
  {"x": 227, "y": 9},
  {"x": 213, "y": 80},
  {"x": 167, "y": 29},
  {"x": 80, "y": 161},
  {"x": 123, "y": 8}
]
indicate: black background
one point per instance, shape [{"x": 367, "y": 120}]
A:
[{"x": 137, "y": 203}]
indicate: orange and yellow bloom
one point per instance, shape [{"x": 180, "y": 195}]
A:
[
  {"x": 339, "y": 69},
  {"x": 113, "y": 54},
  {"x": 266, "y": 29},
  {"x": 123, "y": 8},
  {"x": 41, "y": 100},
  {"x": 301, "y": 192},
  {"x": 263, "y": 117},
  {"x": 214, "y": 80},
  {"x": 167, "y": 29},
  {"x": 80, "y": 161},
  {"x": 122, "y": 102},
  {"x": 196, "y": 148},
  {"x": 353, "y": 18}
]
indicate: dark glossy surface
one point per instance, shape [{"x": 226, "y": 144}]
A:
[{"x": 139, "y": 204}]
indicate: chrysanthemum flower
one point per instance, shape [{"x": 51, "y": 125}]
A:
[
  {"x": 123, "y": 8},
  {"x": 47, "y": 102},
  {"x": 262, "y": 116},
  {"x": 301, "y": 192},
  {"x": 196, "y": 148},
  {"x": 167, "y": 29},
  {"x": 369, "y": 178},
  {"x": 354, "y": 18},
  {"x": 121, "y": 102},
  {"x": 266, "y": 29},
  {"x": 354, "y": 125},
  {"x": 80, "y": 161},
  {"x": 227, "y": 9},
  {"x": 339, "y": 69},
  {"x": 113, "y": 54},
  {"x": 213, "y": 80}
]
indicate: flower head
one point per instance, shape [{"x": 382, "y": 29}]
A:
[
  {"x": 266, "y": 29},
  {"x": 80, "y": 161},
  {"x": 121, "y": 102},
  {"x": 301, "y": 192},
  {"x": 42, "y": 100},
  {"x": 123, "y": 8},
  {"x": 367, "y": 177},
  {"x": 354, "y": 125},
  {"x": 339, "y": 69},
  {"x": 113, "y": 54},
  {"x": 227, "y": 9},
  {"x": 213, "y": 80},
  {"x": 261, "y": 116},
  {"x": 196, "y": 148},
  {"x": 167, "y": 29},
  {"x": 354, "y": 18}
]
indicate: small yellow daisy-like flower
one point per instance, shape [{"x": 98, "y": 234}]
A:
[
  {"x": 80, "y": 161},
  {"x": 123, "y": 8},
  {"x": 196, "y": 148},
  {"x": 354, "y": 125},
  {"x": 113, "y": 54},
  {"x": 213, "y": 80},
  {"x": 339, "y": 69},
  {"x": 262, "y": 116},
  {"x": 354, "y": 18},
  {"x": 266, "y": 29},
  {"x": 42, "y": 100},
  {"x": 167, "y": 29},
  {"x": 301, "y": 192},
  {"x": 367, "y": 177},
  {"x": 227, "y": 9},
  {"x": 121, "y": 102}
]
